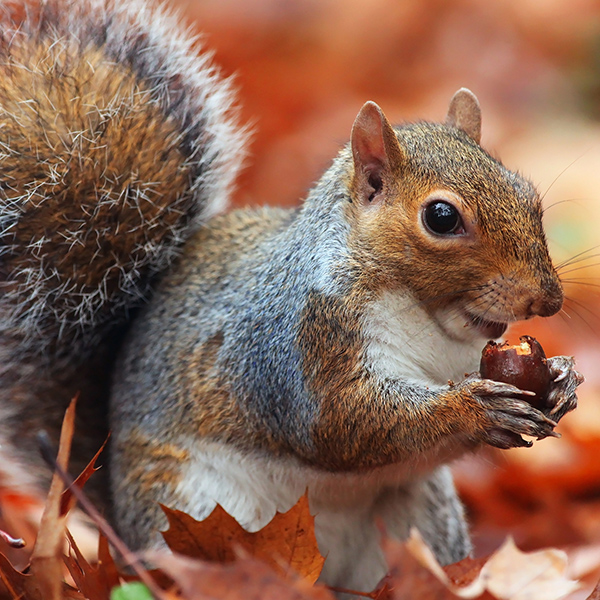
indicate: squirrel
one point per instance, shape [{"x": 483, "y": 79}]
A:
[{"x": 242, "y": 358}]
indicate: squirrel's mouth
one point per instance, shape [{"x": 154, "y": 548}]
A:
[{"x": 488, "y": 329}]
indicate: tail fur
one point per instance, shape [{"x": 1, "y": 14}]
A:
[{"x": 116, "y": 140}]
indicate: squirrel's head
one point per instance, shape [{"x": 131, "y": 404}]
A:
[{"x": 433, "y": 212}]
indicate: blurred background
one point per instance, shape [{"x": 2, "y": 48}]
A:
[{"x": 304, "y": 68}]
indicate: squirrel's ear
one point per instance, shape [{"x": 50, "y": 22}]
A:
[
  {"x": 375, "y": 150},
  {"x": 464, "y": 113}
]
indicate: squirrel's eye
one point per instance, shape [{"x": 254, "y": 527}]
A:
[{"x": 442, "y": 218}]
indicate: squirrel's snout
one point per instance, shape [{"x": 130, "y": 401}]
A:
[{"x": 548, "y": 302}]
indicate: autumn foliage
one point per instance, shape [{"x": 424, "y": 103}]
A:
[{"x": 217, "y": 559}]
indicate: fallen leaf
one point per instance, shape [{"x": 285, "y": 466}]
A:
[
  {"x": 515, "y": 575},
  {"x": 508, "y": 574},
  {"x": 384, "y": 589},
  {"x": 245, "y": 579},
  {"x": 46, "y": 558},
  {"x": 288, "y": 540},
  {"x": 19, "y": 585},
  {"x": 67, "y": 501},
  {"x": 94, "y": 581},
  {"x": 410, "y": 578}
]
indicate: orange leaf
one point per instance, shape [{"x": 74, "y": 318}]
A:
[{"x": 288, "y": 540}]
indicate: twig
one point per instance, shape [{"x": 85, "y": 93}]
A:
[{"x": 87, "y": 506}]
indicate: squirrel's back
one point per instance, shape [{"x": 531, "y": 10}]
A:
[{"x": 117, "y": 139}]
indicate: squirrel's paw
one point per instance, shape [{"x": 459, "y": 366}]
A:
[
  {"x": 506, "y": 415},
  {"x": 565, "y": 379}
]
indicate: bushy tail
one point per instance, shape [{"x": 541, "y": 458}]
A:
[{"x": 116, "y": 140}]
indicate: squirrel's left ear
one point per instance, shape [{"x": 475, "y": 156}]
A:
[
  {"x": 376, "y": 152},
  {"x": 464, "y": 113}
]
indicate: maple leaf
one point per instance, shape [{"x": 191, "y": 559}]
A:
[{"x": 288, "y": 540}]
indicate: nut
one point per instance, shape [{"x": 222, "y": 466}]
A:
[{"x": 523, "y": 365}]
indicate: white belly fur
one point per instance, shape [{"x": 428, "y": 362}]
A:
[{"x": 252, "y": 488}]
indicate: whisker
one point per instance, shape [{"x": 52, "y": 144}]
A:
[
  {"x": 578, "y": 257},
  {"x": 563, "y": 172},
  {"x": 580, "y": 268},
  {"x": 579, "y": 282},
  {"x": 574, "y": 200},
  {"x": 580, "y": 305}
]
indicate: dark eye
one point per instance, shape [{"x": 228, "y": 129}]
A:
[{"x": 442, "y": 218}]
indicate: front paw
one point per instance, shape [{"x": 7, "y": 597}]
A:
[
  {"x": 505, "y": 416},
  {"x": 565, "y": 379}
]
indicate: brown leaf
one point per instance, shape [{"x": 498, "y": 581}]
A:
[
  {"x": 410, "y": 578},
  {"x": 245, "y": 579},
  {"x": 46, "y": 558},
  {"x": 19, "y": 585},
  {"x": 94, "y": 582},
  {"x": 67, "y": 502},
  {"x": 508, "y": 574},
  {"x": 287, "y": 541},
  {"x": 107, "y": 564}
]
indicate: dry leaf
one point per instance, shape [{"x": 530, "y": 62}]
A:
[
  {"x": 244, "y": 579},
  {"x": 508, "y": 574},
  {"x": 515, "y": 575},
  {"x": 287, "y": 540},
  {"x": 19, "y": 585},
  {"x": 410, "y": 578},
  {"x": 94, "y": 582},
  {"x": 46, "y": 558},
  {"x": 67, "y": 501}
]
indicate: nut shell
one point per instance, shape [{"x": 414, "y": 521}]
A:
[{"x": 523, "y": 365}]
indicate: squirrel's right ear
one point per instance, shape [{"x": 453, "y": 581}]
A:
[
  {"x": 464, "y": 113},
  {"x": 376, "y": 152}
]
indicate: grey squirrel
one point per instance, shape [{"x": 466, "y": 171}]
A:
[{"x": 245, "y": 357}]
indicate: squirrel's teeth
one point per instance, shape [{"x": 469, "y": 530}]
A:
[{"x": 488, "y": 329}]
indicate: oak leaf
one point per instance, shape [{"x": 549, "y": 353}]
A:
[
  {"x": 288, "y": 540},
  {"x": 67, "y": 501},
  {"x": 95, "y": 582}
]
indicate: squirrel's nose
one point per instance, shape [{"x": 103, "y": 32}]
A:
[{"x": 548, "y": 302}]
